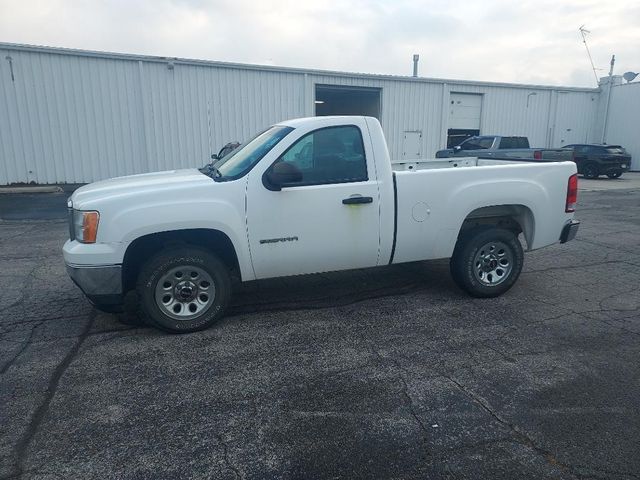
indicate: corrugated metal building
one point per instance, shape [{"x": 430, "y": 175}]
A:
[
  {"x": 623, "y": 119},
  {"x": 69, "y": 116}
]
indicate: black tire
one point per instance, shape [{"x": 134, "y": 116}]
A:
[
  {"x": 590, "y": 170},
  {"x": 614, "y": 174},
  {"x": 165, "y": 266},
  {"x": 466, "y": 266}
]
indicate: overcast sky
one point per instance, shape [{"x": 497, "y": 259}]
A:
[{"x": 496, "y": 40}]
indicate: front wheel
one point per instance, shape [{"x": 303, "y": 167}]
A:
[
  {"x": 614, "y": 174},
  {"x": 486, "y": 261},
  {"x": 183, "y": 289}
]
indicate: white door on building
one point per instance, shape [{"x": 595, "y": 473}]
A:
[
  {"x": 570, "y": 126},
  {"x": 465, "y": 110},
  {"x": 412, "y": 145}
]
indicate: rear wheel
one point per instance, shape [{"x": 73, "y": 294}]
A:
[
  {"x": 184, "y": 289},
  {"x": 590, "y": 170},
  {"x": 487, "y": 261},
  {"x": 614, "y": 174}
]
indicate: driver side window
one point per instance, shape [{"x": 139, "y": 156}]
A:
[
  {"x": 582, "y": 149},
  {"x": 328, "y": 155}
]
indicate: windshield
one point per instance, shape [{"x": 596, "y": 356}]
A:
[
  {"x": 241, "y": 160},
  {"x": 477, "y": 143}
]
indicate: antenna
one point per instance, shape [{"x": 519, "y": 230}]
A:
[{"x": 584, "y": 32}]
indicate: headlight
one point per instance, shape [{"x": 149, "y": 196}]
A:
[{"x": 85, "y": 226}]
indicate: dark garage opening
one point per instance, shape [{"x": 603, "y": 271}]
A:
[
  {"x": 455, "y": 136},
  {"x": 340, "y": 100}
]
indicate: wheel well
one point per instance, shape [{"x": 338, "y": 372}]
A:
[
  {"x": 144, "y": 247},
  {"x": 517, "y": 218}
]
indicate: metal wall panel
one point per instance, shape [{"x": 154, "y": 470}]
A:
[
  {"x": 623, "y": 124},
  {"x": 68, "y": 119},
  {"x": 75, "y": 117},
  {"x": 512, "y": 111},
  {"x": 537, "y": 113},
  {"x": 574, "y": 118},
  {"x": 406, "y": 106}
]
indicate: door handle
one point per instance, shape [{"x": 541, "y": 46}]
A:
[{"x": 357, "y": 200}]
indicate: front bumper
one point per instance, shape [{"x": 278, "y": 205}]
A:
[
  {"x": 101, "y": 284},
  {"x": 569, "y": 231}
]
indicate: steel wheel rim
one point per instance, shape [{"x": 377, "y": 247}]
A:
[
  {"x": 185, "y": 292},
  {"x": 493, "y": 263}
]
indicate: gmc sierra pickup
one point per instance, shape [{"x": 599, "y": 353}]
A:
[
  {"x": 504, "y": 148},
  {"x": 304, "y": 196}
]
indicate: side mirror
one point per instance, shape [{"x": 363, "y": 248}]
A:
[
  {"x": 214, "y": 156},
  {"x": 457, "y": 148},
  {"x": 281, "y": 174}
]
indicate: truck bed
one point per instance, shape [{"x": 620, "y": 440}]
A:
[{"x": 435, "y": 196}]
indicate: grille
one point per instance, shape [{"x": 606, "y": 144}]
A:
[{"x": 72, "y": 233}]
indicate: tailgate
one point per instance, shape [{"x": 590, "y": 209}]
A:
[{"x": 557, "y": 154}]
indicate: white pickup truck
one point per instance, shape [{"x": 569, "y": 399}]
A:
[{"x": 305, "y": 196}]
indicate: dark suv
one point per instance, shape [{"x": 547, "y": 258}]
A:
[{"x": 597, "y": 159}]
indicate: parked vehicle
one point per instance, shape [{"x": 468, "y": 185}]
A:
[
  {"x": 496, "y": 146},
  {"x": 308, "y": 195},
  {"x": 594, "y": 160}
]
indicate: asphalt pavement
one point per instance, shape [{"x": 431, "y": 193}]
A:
[{"x": 384, "y": 373}]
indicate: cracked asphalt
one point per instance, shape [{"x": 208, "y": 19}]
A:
[{"x": 383, "y": 373}]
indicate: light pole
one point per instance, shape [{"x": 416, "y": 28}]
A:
[{"x": 606, "y": 107}]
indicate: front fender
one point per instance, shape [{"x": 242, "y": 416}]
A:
[{"x": 198, "y": 207}]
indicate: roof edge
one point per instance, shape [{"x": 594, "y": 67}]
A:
[{"x": 272, "y": 68}]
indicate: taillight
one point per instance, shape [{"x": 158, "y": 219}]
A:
[
  {"x": 572, "y": 194},
  {"x": 537, "y": 155}
]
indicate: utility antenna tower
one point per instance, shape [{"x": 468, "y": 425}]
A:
[{"x": 583, "y": 33}]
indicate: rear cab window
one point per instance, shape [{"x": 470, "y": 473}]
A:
[{"x": 514, "y": 142}]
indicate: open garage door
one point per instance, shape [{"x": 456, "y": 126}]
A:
[
  {"x": 465, "y": 110},
  {"x": 341, "y": 100}
]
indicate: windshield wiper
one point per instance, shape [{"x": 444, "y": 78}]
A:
[{"x": 212, "y": 171}]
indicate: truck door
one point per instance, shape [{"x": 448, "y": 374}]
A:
[{"x": 325, "y": 220}]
